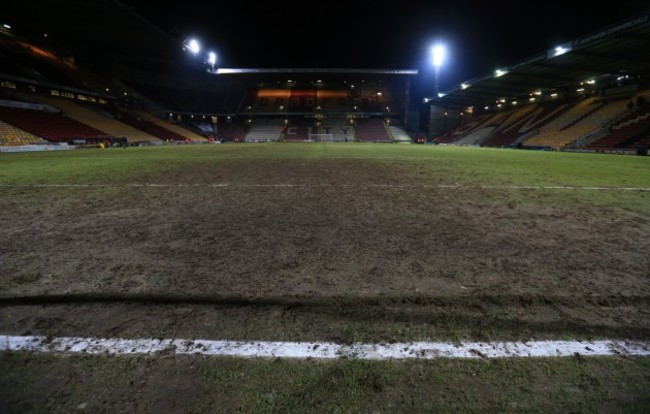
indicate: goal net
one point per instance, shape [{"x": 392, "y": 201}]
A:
[{"x": 321, "y": 137}]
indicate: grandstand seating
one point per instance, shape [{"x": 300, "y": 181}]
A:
[
  {"x": 176, "y": 129},
  {"x": 626, "y": 132},
  {"x": 265, "y": 130},
  {"x": 293, "y": 113},
  {"x": 543, "y": 114},
  {"x": 373, "y": 101},
  {"x": 485, "y": 130},
  {"x": 331, "y": 102},
  {"x": 642, "y": 141},
  {"x": 231, "y": 131},
  {"x": 143, "y": 124},
  {"x": 549, "y": 134},
  {"x": 100, "y": 120},
  {"x": 302, "y": 100},
  {"x": 372, "y": 130},
  {"x": 338, "y": 127},
  {"x": 584, "y": 118},
  {"x": 399, "y": 135},
  {"x": 11, "y": 135},
  {"x": 508, "y": 131},
  {"x": 464, "y": 129},
  {"x": 51, "y": 126},
  {"x": 477, "y": 136},
  {"x": 298, "y": 129},
  {"x": 271, "y": 100}
]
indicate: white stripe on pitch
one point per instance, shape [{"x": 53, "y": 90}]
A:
[
  {"x": 443, "y": 186},
  {"x": 325, "y": 350}
]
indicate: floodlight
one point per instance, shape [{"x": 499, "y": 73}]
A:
[
  {"x": 212, "y": 58},
  {"x": 438, "y": 55},
  {"x": 438, "y": 58},
  {"x": 193, "y": 46},
  {"x": 560, "y": 50}
]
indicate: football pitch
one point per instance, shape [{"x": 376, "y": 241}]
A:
[{"x": 332, "y": 245}]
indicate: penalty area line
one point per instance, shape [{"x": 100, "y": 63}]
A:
[{"x": 324, "y": 350}]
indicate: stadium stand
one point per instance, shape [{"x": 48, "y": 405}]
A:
[
  {"x": 265, "y": 130},
  {"x": 270, "y": 100},
  {"x": 371, "y": 130},
  {"x": 578, "y": 99},
  {"x": 626, "y": 129},
  {"x": 54, "y": 127},
  {"x": 463, "y": 129},
  {"x": 399, "y": 134},
  {"x": 100, "y": 121},
  {"x": 143, "y": 124},
  {"x": 485, "y": 130},
  {"x": 335, "y": 129},
  {"x": 637, "y": 124},
  {"x": 334, "y": 101},
  {"x": 584, "y": 118},
  {"x": 230, "y": 130},
  {"x": 508, "y": 131},
  {"x": 302, "y": 100},
  {"x": 11, "y": 136},
  {"x": 173, "y": 129},
  {"x": 609, "y": 63},
  {"x": 298, "y": 129}
]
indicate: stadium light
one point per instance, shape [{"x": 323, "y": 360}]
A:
[
  {"x": 438, "y": 55},
  {"x": 438, "y": 59},
  {"x": 560, "y": 50},
  {"x": 212, "y": 59},
  {"x": 192, "y": 45}
]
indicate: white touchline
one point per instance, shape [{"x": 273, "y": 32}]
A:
[
  {"x": 368, "y": 185},
  {"x": 325, "y": 350}
]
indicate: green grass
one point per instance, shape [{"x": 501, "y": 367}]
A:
[
  {"x": 434, "y": 164},
  {"x": 59, "y": 384},
  {"x": 413, "y": 165}
]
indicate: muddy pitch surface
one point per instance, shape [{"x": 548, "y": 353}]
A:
[{"x": 341, "y": 250}]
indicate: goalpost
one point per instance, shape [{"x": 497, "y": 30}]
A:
[{"x": 321, "y": 138}]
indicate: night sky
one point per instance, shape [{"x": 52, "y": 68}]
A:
[{"x": 480, "y": 36}]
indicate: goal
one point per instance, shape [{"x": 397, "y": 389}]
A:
[{"x": 321, "y": 137}]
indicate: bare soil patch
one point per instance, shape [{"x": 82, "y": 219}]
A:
[
  {"x": 318, "y": 243},
  {"x": 333, "y": 250}
]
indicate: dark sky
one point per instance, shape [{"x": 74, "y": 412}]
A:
[
  {"x": 398, "y": 34},
  {"x": 480, "y": 36}
]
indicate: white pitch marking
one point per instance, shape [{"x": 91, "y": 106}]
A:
[
  {"x": 288, "y": 185},
  {"x": 325, "y": 350}
]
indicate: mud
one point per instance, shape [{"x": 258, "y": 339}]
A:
[{"x": 318, "y": 250}]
